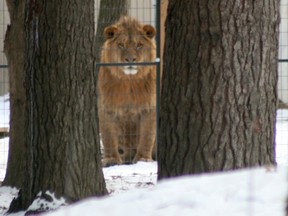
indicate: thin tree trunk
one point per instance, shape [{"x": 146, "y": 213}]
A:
[
  {"x": 110, "y": 11},
  {"x": 219, "y": 99},
  {"x": 14, "y": 47},
  {"x": 62, "y": 136},
  {"x": 164, "y": 5}
]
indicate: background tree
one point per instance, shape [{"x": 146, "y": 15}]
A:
[
  {"x": 164, "y": 5},
  {"x": 60, "y": 113},
  {"x": 218, "y": 102},
  {"x": 110, "y": 11},
  {"x": 14, "y": 47}
]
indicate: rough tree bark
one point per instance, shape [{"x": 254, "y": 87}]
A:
[
  {"x": 61, "y": 129},
  {"x": 110, "y": 11},
  {"x": 219, "y": 99},
  {"x": 14, "y": 47}
]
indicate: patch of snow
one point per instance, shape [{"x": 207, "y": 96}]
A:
[
  {"x": 4, "y": 146},
  {"x": 126, "y": 177},
  {"x": 6, "y": 196},
  {"x": 46, "y": 201}
]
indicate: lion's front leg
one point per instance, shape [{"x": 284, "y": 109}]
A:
[
  {"x": 110, "y": 138},
  {"x": 147, "y": 137}
]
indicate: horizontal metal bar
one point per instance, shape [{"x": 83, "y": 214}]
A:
[
  {"x": 3, "y": 66},
  {"x": 127, "y": 64},
  {"x": 282, "y": 60},
  {"x": 145, "y": 63}
]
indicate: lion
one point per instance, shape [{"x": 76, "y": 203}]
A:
[{"x": 127, "y": 94}]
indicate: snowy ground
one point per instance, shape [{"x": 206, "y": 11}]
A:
[
  {"x": 3, "y": 157},
  {"x": 133, "y": 189},
  {"x": 4, "y": 123},
  {"x": 247, "y": 192},
  {"x": 254, "y": 192}
]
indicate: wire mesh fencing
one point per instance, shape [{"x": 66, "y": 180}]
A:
[{"x": 282, "y": 113}]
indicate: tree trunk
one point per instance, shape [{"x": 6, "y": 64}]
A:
[
  {"x": 218, "y": 104},
  {"x": 164, "y": 5},
  {"x": 14, "y": 47},
  {"x": 287, "y": 207},
  {"x": 110, "y": 11},
  {"x": 61, "y": 122}
]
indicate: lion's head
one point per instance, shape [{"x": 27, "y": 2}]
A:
[{"x": 128, "y": 41}]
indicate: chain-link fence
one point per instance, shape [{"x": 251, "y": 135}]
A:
[{"x": 282, "y": 113}]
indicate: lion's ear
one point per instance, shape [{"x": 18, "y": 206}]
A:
[
  {"x": 149, "y": 30},
  {"x": 110, "y": 32}
]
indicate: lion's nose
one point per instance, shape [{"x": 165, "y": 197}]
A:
[{"x": 130, "y": 59}]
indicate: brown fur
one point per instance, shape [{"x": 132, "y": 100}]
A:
[{"x": 127, "y": 101}]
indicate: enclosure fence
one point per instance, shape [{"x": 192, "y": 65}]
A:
[{"x": 282, "y": 112}]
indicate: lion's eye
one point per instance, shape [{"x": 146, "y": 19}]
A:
[
  {"x": 139, "y": 46},
  {"x": 121, "y": 46}
]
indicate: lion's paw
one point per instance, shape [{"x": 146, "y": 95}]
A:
[
  {"x": 111, "y": 161},
  {"x": 143, "y": 159}
]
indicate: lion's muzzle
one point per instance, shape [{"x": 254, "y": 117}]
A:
[{"x": 130, "y": 70}]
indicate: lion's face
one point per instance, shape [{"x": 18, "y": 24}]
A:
[{"x": 129, "y": 42}]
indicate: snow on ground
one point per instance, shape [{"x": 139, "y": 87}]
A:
[
  {"x": 119, "y": 179},
  {"x": 247, "y": 192},
  {"x": 6, "y": 195},
  {"x": 4, "y": 123},
  {"x": 126, "y": 177},
  {"x": 250, "y": 192},
  {"x": 3, "y": 157}
]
